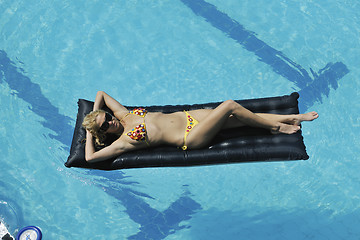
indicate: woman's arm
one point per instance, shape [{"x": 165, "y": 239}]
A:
[
  {"x": 115, "y": 149},
  {"x": 102, "y": 98}
]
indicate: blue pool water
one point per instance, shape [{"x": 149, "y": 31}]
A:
[{"x": 177, "y": 52}]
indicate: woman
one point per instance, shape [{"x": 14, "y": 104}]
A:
[{"x": 194, "y": 129}]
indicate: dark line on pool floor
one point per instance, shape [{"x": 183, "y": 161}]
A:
[
  {"x": 154, "y": 224},
  {"x": 312, "y": 88},
  {"x": 31, "y": 93}
]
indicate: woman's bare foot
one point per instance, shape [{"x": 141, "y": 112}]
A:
[
  {"x": 310, "y": 116},
  {"x": 285, "y": 128}
]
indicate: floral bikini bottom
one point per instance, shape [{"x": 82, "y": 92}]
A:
[{"x": 191, "y": 122}]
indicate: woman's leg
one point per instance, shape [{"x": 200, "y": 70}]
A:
[
  {"x": 215, "y": 120},
  {"x": 294, "y": 119}
]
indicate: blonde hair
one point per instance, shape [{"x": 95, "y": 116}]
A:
[{"x": 89, "y": 123}]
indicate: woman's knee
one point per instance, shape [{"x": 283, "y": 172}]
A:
[{"x": 231, "y": 105}]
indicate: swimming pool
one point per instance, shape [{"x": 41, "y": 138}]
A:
[{"x": 177, "y": 52}]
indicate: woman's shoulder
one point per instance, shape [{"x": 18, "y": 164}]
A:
[{"x": 121, "y": 114}]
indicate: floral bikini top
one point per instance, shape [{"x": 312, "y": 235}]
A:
[{"x": 139, "y": 132}]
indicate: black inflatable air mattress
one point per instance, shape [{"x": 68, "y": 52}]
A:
[{"x": 244, "y": 144}]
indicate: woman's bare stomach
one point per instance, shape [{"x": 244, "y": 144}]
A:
[
  {"x": 166, "y": 128},
  {"x": 170, "y": 128}
]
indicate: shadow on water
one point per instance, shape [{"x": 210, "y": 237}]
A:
[{"x": 154, "y": 224}]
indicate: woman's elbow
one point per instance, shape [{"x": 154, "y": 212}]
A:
[{"x": 89, "y": 159}]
